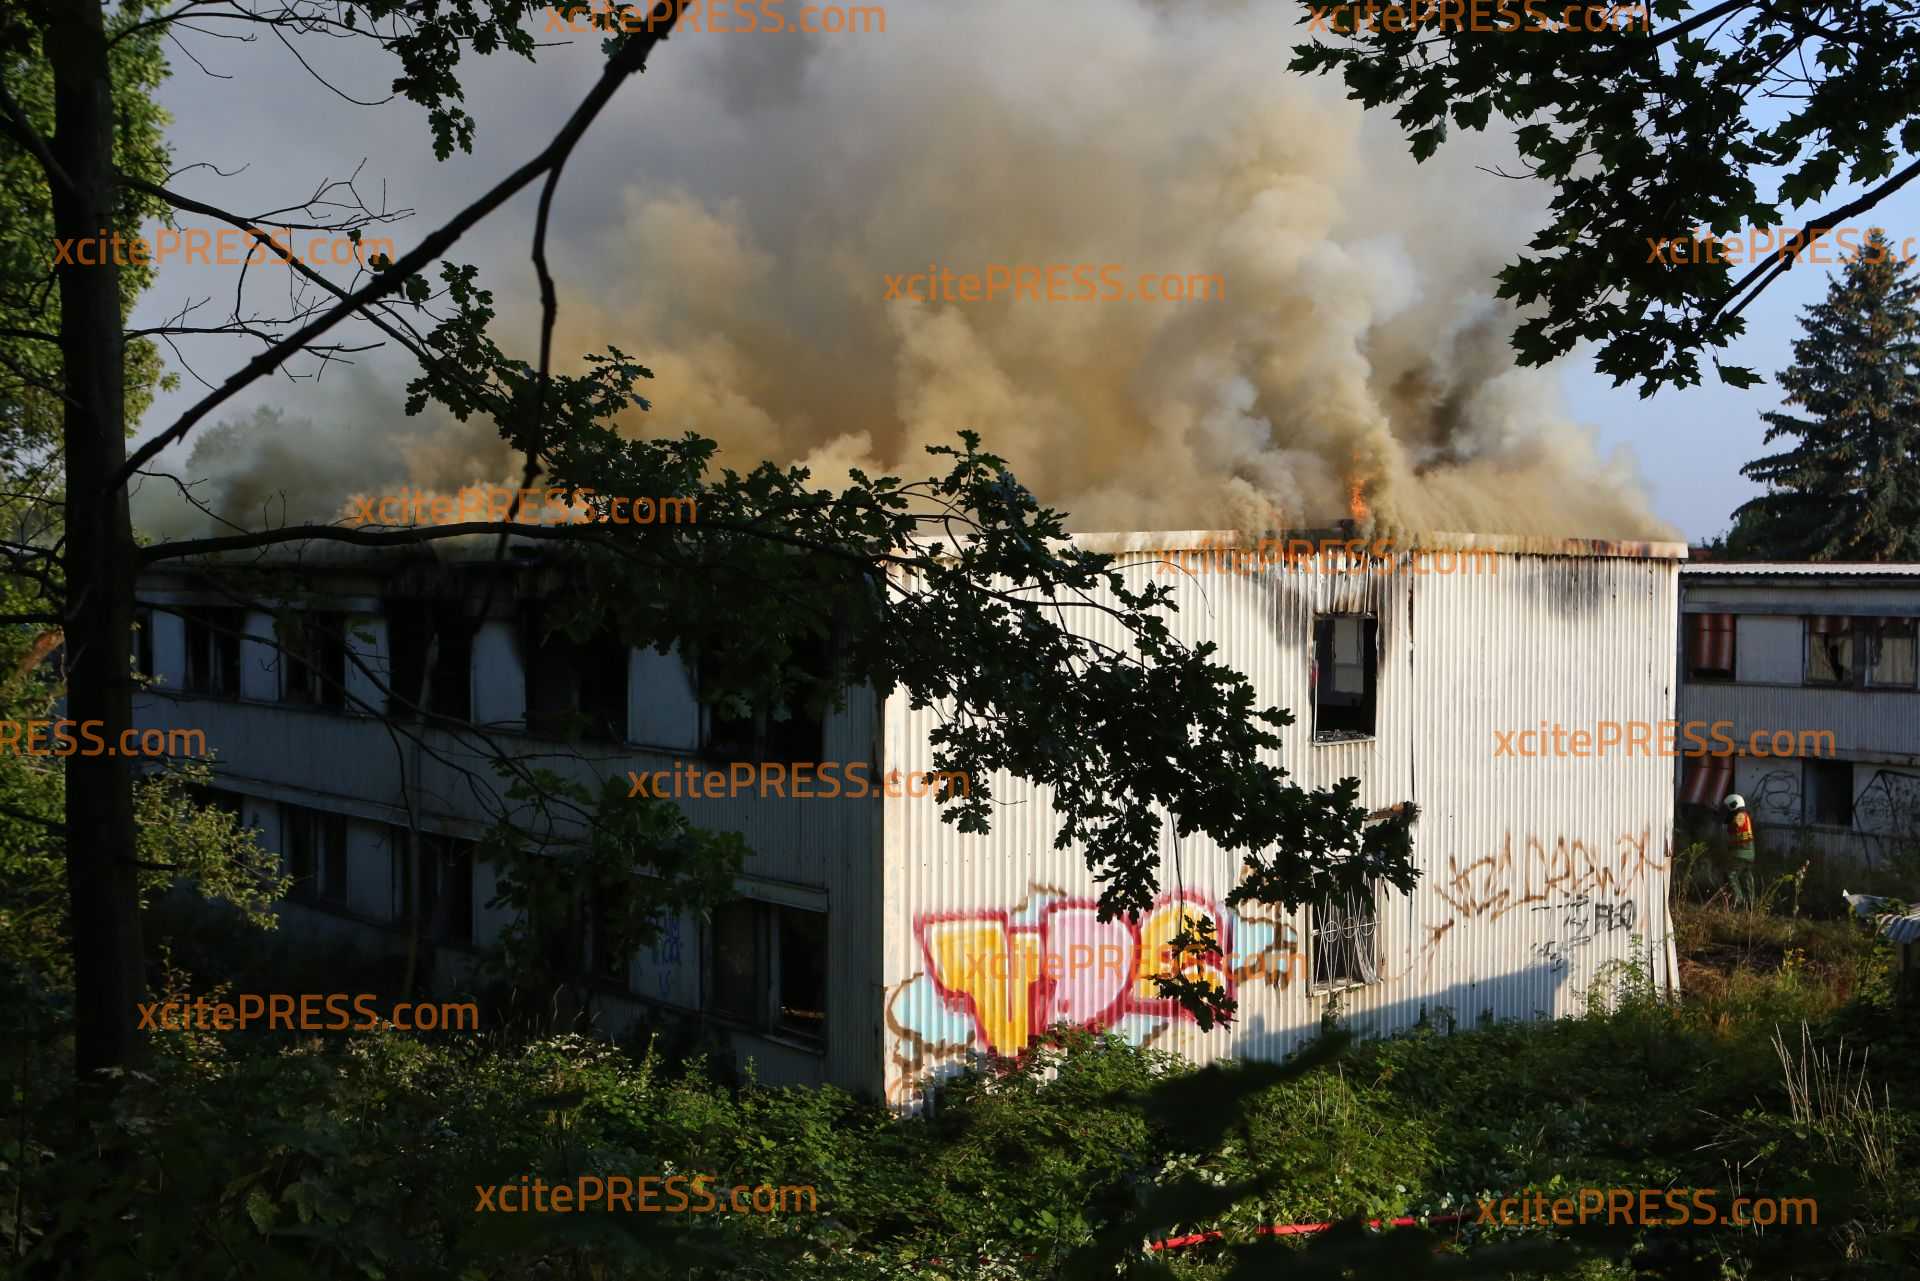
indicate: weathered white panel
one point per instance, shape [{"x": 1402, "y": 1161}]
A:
[
  {"x": 499, "y": 682},
  {"x": 1535, "y": 872},
  {"x": 366, "y": 678},
  {"x": 1867, "y": 724},
  {"x": 1771, "y": 788},
  {"x": 662, "y": 708},
  {"x": 1769, "y": 648},
  {"x": 169, "y": 649},
  {"x": 259, "y": 659}
]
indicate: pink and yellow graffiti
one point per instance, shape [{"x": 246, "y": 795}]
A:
[{"x": 1014, "y": 981}]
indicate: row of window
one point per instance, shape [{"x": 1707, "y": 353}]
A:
[
  {"x": 574, "y": 690},
  {"x": 766, "y": 963},
  {"x": 1842, "y": 651}
]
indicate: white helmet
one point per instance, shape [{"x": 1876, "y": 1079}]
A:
[{"x": 1735, "y": 801}]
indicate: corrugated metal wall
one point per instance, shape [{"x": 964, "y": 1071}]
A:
[{"x": 1535, "y": 872}]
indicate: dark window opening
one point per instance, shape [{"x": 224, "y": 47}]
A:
[
  {"x": 1891, "y": 653},
  {"x": 1344, "y": 671},
  {"x": 446, "y": 886},
  {"x": 1830, "y": 793},
  {"x": 769, "y": 968},
  {"x": 1710, "y": 643},
  {"x": 803, "y": 973},
  {"x": 413, "y": 630},
  {"x": 213, "y": 649},
  {"x": 1705, "y": 780},
  {"x": 1344, "y": 940},
  {"x": 576, "y": 690},
  {"x": 774, "y": 730},
  {"x": 1829, "y": 651},
  {"x": 315, "y": 846},
  {"x": 313, "y": 659},
  {"x": 736, "y": 962}
]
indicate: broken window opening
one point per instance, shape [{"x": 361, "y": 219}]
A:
[
  {"x": 1829, "y": 650},
  {"x": 772, "y": 731},
  {"x": 213, "y": 649},
  {"x": 446, "y": 885},
  {"x": 414, "y": 629},
  {"x": 313, "y": 659},
  {"x": 576, "y": 689},
  {"x": 1829, "y": 793},
  {"x": 803, "y": 973},
  {"x": 315, "y": 846},
  {"x": 1343, "y": 673}
]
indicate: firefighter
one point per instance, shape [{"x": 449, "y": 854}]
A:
[{"x": 1740, "y": 835}]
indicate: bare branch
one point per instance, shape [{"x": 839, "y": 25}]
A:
[{"x": 628, "y": 61}]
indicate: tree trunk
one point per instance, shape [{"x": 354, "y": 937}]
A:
[{"x": 108, "y": 963}]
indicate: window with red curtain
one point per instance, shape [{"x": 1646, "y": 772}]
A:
[
  {"x": 1710, "y": 647},
  {"x": 1705, "y": 780}
]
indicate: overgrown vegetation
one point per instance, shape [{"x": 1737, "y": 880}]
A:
[{"x": 1786, "y": 1070}]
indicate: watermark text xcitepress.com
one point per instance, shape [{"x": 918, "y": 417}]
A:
[
  {"x": 721, "y": 17},
  {"x": 90, "y": 742},
  {"x": 1781, "y": 242},
  {"x": 1478, "y": 15},
  {"x": 1650, "y": 1207},
  {"x": 810, "y": 781},
  {"x": 638, "y": 1195},
  {"x": 494, "y": 503},
  {"x": 1058, "y": 282},
  {"x": 1584, "y": 743},
  {"x": 222, "y": 247},
  {"x": 279, "y": 1010}
]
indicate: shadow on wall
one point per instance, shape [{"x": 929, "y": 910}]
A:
[{"x": 917, "y": 1065}]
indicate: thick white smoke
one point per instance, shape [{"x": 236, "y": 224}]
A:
[{"x": 1358, "y": 340}]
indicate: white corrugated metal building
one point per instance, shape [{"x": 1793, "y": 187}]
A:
[{"x": 876, "y": 947}]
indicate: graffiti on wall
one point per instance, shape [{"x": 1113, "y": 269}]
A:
[
  {"x": 1775, "y": 796},
  {"x": 991, "y": 981},
  {"x": 1574, "y": 893}
]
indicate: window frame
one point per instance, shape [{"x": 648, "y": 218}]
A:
[
  {"x": 212, "y": 650},
  {"x": 1876, "y": 638},
  {"x": 1852, "y": 676},
  {"x": 1808, "y": 789},
  {"x": 1357, "y": 975},
  {"x": 1320, "y": 673},
  {"x": 321, "y": 844},
  {"x": 438, "y": 851},
  {"x": 312, "y": 659},
  {"x": 764, "y": 1011},
  {"x": 1694, "y": 637}
]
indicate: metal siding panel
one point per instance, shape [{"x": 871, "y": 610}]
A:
[
  {"x": 1869, "y": 724},
  {"x": 1769, "y": 647},
  {"x": 1582, "y": 639}
]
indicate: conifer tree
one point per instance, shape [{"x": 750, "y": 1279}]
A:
[{"x": 1849, "y": 489}]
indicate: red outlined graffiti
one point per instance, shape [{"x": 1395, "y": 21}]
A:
[{"x": 1009, "y": 975}]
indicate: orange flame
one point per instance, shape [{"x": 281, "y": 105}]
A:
[{"x": 1357, "y": 502}]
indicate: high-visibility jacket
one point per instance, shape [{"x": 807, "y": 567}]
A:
[{"x": 1740, "y": 831}]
